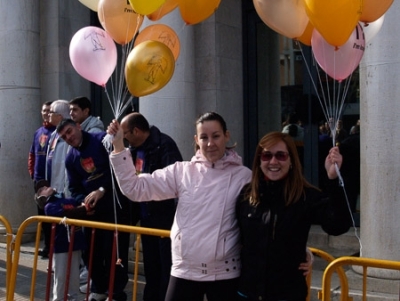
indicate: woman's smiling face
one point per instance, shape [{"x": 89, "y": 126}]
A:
[{"x": 275, "y": 169}]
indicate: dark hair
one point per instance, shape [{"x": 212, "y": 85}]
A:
[
  {"x": 294, "y": 182},
  {"x": 64, "y": 123},
  {"x": 137, "y": 120},
  {"x": 212, "y": 116},
  {"x": 82, "y": 102},
  {"x": 48, "y": 103}
]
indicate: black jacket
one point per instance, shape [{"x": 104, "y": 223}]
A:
[
  {"x": 158, "y": 151},
  {"x": 274, "y": 238}
]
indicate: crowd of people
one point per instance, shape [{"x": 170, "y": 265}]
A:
[{"x": 236, "y": 233}]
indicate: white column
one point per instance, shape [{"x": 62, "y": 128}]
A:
[
  {"x": 380, "y": 145},
  {"x": 208, "y": 77},
  {"x": 20, "y": 105}
]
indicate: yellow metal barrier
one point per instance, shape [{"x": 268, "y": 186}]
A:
[
  {"x": 9, "y": 250},
  {"x": 82, "y": 223},
  {"x": 14, "y": 248},
  {"x": 359, "y": 261},
  {"x": 342, "y": 276}
]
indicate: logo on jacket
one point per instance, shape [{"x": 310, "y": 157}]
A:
[
  {"x": 139, "y": 163},
  {"x": 88, "y": 165},
  {"x": 42, "y": 140}
]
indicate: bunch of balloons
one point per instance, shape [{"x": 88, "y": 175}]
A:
[
  {"x": 334, "y": 28},
  {"x": 150, "y": 61},
  {"x": 192, "y": 11}
]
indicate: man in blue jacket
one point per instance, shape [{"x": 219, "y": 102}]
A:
[
  {"x": 90, "y": 181},
  {"x": 37, "y": 164}
]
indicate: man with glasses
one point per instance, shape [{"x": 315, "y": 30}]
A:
[
  {"x": 37, "y": 165},
  {"x": 57, "y": 150}
]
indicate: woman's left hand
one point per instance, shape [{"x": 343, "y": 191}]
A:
[
  {"x": 334, "y": 157},
  {"x": 307, "y": 266}
]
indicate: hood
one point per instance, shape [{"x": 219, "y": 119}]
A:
[
  {"x": 92, "y": 122},
  {"x": 230, "y": 158}
]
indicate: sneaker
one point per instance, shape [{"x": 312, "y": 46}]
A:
[
  {"x": 83, "y": 287},
  {"x": 121, "y": 296},
  {"x": 97, "y": 297},
  {"x": 44, "y": 254},
  {"x": 83, "y": 276}
]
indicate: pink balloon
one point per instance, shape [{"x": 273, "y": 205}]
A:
[
  {"x": 93, "y": 54},
  {"x": 339, "y": 62}
]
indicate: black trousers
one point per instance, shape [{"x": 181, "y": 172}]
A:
[
  {"x": 102, "y": 260},
  {"x": 185, "y": 290}
]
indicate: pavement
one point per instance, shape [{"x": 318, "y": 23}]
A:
[{"x": 23, "y": 286}]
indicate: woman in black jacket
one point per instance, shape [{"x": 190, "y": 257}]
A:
[{"x": 275, "y": 212}]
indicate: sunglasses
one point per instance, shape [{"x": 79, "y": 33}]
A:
[{"x": 280, "y": 156}]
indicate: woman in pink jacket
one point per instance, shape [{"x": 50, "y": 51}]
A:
[{"x": 205, "y": 234}]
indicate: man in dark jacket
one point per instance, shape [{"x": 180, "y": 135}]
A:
[
  {"x": 37, "y": 165},
  {"x": 152, "y": 150},
  {"x": 90, "y": 181}
]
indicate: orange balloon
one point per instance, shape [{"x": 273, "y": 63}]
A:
[
  {"x": 195, "y": 11},
  {"x": 374, "y": 9},
  {"x": 119, "y": 20},
  {"x": 161, "y": 33},
  {"x": 165, "y": 8},
  {"x": 335, "y": 20},
  {"x": 287, "y": 17},
  {"x": 149, "y": 67},
  {"x": 305, "y": 38}
]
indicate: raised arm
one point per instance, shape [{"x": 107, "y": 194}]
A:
[
  {"x": 115, "y": 130},
  {"x": 334, "y": 157}
]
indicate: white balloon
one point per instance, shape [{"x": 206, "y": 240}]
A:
[
  {"x": 92, "y": 4},
  {"x": 372, "y": 28}
]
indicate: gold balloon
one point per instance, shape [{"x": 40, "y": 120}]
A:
[
  {"x": 146, "y": 7},
  {"x": 161, "y": 33},
  {"x": 166, "y": 8},
  {"x": 119, "y": 20},
  {"x": 149, "y": 67}
]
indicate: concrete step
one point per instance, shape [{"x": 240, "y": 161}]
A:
[{"x": 317, "y": 238}]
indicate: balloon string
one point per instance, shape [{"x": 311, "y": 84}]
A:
[
  {"x": 332, "y": 111},
  {"x": 341, "y": 183},
  {"x": 107, "y": 142}
]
